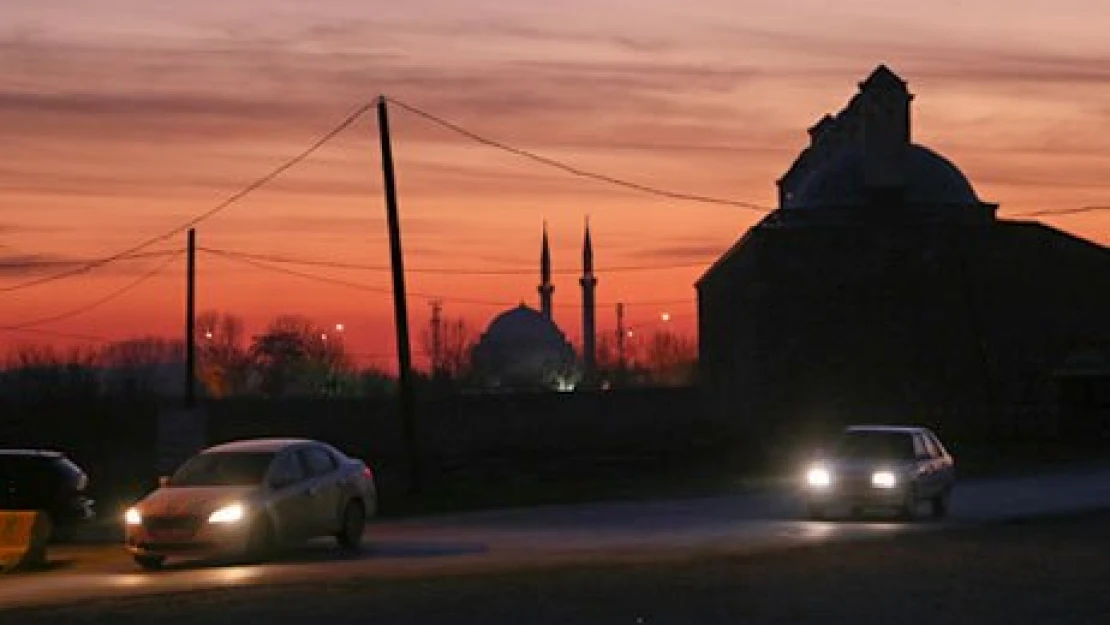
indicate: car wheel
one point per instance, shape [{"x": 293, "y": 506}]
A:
[
  {"x": 262, "y": 543},
  {"x": 150, "y": 563},
  {"x": 354, "y": 524},
  {"x": 940, "y": 504}
]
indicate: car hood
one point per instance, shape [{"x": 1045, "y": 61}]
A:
[
  {"x": 193, "y": 500},
  {"x": 860, "y": 466}
]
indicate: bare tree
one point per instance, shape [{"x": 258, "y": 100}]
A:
[
  {"x": 45, "y": 372},
  {"x": 449, "y": 347},
  {"x": 296, "y": 356},
  {"x": 223, "y": 362},
  {"x": 671, "y": 359},
  {"x": 142, "y": 366}
]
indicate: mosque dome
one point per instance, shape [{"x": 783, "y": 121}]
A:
[
  {"x": 523, "y": 348},
  {"x": 523, "y": 325},
  {"x": 931, "y": 181}
]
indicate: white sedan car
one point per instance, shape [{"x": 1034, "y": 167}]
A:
[
  {"x": 881, "y": 466},
  {"x": 247, "y": 497}
]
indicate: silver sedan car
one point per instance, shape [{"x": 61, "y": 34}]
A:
[
  {"x": 248, "y": 497},
  {"x": 881, "y": 466}
]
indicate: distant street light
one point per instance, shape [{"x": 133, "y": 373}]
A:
[
  {"x": 208, "y": 334},
  {"x": 665, "y": 316},
  {"x": 339, "y": 327}
]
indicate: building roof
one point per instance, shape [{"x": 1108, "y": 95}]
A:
[{"x": 931, "y": 181}]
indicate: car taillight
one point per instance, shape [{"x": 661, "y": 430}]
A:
[{"x": 368, "y": 472}]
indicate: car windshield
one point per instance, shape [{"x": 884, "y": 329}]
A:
[
  {"x": 874, "y": 444},
  {"x": 223, "y": 469}
]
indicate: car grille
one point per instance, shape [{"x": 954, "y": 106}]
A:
[{"x": 188, "y": 523}]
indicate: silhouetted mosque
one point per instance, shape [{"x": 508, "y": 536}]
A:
[
  {"x": 524, "y": 348},
  {"x": 882, "y": 288}
]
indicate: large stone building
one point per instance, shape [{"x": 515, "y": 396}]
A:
[{"x": 883, "y": 289}]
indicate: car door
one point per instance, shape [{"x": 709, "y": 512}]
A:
[
  {"x": 288, "y": 486},
  {"x": 324, "y": 489}
]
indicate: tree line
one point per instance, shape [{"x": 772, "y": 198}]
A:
[{"x": 295, "y": 356}]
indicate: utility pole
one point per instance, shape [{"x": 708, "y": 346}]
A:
[
  {"x": 405, "y": 402},
  {"x": 190, "y": 321},
  {"x": 437, "y": 337},
  {"x": 620, "y": 341}
]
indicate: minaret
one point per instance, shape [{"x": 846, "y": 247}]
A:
[
  {"x": 589, "y": 329},
  {"x": 545, "y": 288}
]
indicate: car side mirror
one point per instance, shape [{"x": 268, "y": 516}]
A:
[{"x": 163, "y": 481}]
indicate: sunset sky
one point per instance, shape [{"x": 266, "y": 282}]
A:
[{"x": 121, "y": 119}]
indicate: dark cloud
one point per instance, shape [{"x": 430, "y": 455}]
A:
[
  {"x": 20, "y": 265},
  {"x": 682, "y": 253}
]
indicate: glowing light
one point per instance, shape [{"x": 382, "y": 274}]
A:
[
  {"x": 133, "y": 517},
  {"x": 665, "y": 316},
  {"x": 339, "y": 327},
  {"x": 228, "y": 514},
  {"x": 883, "y": 479},
  {"x": 819, "y": 477}
]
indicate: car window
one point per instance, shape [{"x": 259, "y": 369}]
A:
[
  {"x": 318, "y": 461},
  {"x": 941, "y": 451},
  {"x": 26, "y": 469},
  {"x": 919, "y": 448},
  {"x": 872, "y": 444},
  {"x": 286, "y": 469},
  {"x": 223, "y": 469},
  {"x": 70, "y": 472},
  {"x": 929, "y": 446}
]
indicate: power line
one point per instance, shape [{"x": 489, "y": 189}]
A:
[
  {"x": 576, "y": 171},
  {"x": 267, "y": 266},
  {"x": 90, "y": 306},
  {"x": 232, "y": 199},
  {"x": 273, "y": 258}
]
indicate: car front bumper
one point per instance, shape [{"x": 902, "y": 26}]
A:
[
  {"x": 206, "y": 540},
  {"x": 858, "y": 495}
]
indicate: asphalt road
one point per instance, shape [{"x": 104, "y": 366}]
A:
[{"x": 512, "y": 543}]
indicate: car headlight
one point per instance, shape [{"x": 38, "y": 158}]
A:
[
  {"x": 883, "y": 479},
  {"x": 228, "y": 514},
  {"x": 819, "y": 477},
  {"x": 133, "y": 517}
]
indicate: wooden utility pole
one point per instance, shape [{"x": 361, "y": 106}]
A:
[
  {"x": 190, "y": 321},
  {"x": 620, "y": 342},
  {"x": 437, "y": 338},
  {"x": 406, "y": 405}
]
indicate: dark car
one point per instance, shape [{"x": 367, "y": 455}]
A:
[
  {"x": 882, "y": 466},
  {"x": 47, "y": 481}
]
